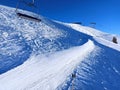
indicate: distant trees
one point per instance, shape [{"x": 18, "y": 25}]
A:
[{"x": 114, "y": 40}]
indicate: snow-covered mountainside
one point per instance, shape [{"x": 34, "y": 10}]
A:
[
  {"x": 93, "y": 32},
  {"x": 44, "y": 55}
]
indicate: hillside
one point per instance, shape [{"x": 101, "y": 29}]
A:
[{"x": 43, "y": 56}]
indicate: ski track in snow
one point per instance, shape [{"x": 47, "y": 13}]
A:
[{"x": 45, "y": 73}]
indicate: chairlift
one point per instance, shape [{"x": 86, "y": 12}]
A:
[
  {"x": 24, "y": 15},
  {"x": 92, "y": 24}
]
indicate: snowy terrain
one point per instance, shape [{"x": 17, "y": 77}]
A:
[{"x": 44, "y": 55}]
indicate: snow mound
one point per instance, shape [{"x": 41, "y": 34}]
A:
[{"x": 46, "y": 70}]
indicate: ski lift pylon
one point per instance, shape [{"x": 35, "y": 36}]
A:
[{"x": 24, "y": 15}]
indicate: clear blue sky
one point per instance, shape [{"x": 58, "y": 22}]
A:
[{"x": 106, "y": 13}]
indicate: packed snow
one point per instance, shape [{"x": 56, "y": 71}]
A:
[
  {"x": 45, "y": 73},
  {"x": 93, "y": 32},
  {"x": 43, "y": 56},
  {"x": 108, "y": 44}
]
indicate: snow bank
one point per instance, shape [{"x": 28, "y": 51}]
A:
[{"x": 45, "y": 73}]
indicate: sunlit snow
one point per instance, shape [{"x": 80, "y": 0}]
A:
[{"x": 44, "y": 55}]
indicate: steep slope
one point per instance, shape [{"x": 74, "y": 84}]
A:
[
  {"x": 45, "y": 73},
  {"x": 93, "y": 32},
  {"x": 20, "y": 38},
  {"x": 44, "y": 55},
  {"x": 99, "y": 71}
]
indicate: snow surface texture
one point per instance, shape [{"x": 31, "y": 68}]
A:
[
  {"x": 20, "y": 38},
  {"x": 93, "y": 32},
  {"x": 47, "y": 73},
  {"x": 43, "y": 56}
]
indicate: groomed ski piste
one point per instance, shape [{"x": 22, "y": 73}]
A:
[{"x": 44, "y": 55}]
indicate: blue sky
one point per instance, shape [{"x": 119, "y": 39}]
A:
[{"x": 106, "y": 13}]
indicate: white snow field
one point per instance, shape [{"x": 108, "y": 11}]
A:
[
  {"x": 45, "y": 73},
  {"x": 44, "y": 55},
  {"x": 93, "y": 32}
]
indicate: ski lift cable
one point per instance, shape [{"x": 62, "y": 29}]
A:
[{"x": 17, "y": 5}]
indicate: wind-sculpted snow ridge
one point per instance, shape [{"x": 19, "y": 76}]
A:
[
  {"x": 45, "y": 73},
  {"x": 100, "y": 71},
  {"x": 22, "y": 38}
]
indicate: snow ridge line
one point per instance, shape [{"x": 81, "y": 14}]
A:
[
  {"x": 107, "y": 43},
  {"x": 46, "y": 73}
]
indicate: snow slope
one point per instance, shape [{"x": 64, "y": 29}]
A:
[
  {"x": 47, "y": 73},
  {"x": 93, "y": 32},
  {"x": 43, "y": 56},
  {"x": 20, "y": 38},
  {"x": 100, "y": 71}
]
